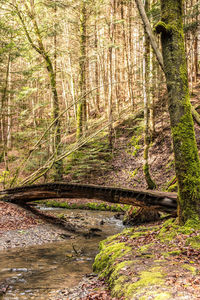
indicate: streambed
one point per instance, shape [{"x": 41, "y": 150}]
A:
[{"x": 40, "y": 271}]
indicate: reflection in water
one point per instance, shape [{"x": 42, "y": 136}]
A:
[{"x": 35, "y": 272}]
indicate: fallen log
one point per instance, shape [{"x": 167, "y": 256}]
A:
[{"x": 21, "y": 195}]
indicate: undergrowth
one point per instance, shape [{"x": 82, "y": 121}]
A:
[{"x": 93, "y": 158}]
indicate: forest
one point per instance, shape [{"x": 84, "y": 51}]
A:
[{"x": 100, "y": 112}]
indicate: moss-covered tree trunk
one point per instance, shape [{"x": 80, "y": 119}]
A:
[{"x": 187, "y": 162}]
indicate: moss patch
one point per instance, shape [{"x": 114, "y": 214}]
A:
[
  {"x": 151, "y": 277},
  {"x": 171, "y": 253},
  {"x": 105, "y": 260},
  {"x": 190, "y": 268},
  {"x": 87, "y": 206},
  {"x": 132, "y": 274},
  {"x": 168, "y": 231},
  {"x": 163, "y": 296},
  {"x": 194, "y": 242},
  {"x": 143, "y": 249}
]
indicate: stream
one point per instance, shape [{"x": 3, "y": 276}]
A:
[{"x": 36, "y": 272}]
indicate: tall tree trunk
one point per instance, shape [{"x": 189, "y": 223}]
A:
[
  {"x": 81, "y": 107},
  {"x": 3, "y": 110},
  {"x": 58, "y": 166},
  {"x": 187, "y": 164},
  {"x": 196, "y": 44},
  {"x": 110, "y": 60},
  {"x": 129, "y": 75},
  {"x": 40, "y": 48},
  {"x": 96, "y": 67},
  {"x": 146, "y": 94},
  {"x": 9, "y": 122}
]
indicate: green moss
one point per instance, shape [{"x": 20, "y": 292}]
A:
[
  {"x": 109, "y": 240},
  {"x": 167, "y": 28},
  {"x": 117, "y": 278},
  {"x": 163, "y": 296},
  {"x": 171, "y": 253},
  {"x": 159, "y": 260},
  {"x": 190, "y": 268},
  {"x": 187, "y": 162},
  {"x": 60, "y": 216},
  {"x": 159, "y": 296},
  {"x": 189, "y": 181},
  {"x": 174, "y": 252},
  {"x": 168, "y": 231},
  {"x": 173, "y": 188},
  {"x": 147, "y": 278},
  {"x": 138, "y": 234},
  {"x": 185, "y": 230},
  {"x": 193, "y": 223},
  {"x": 135, "y": 144},
  {"x": 117, "y": 288},
  {"x": 194, "y": 242},
  {"x": 87, "y": 206},
  {"x": 145, "y": 248},
  {"x": 119, "y": 269},
  {"x": 104, "y": 261}
]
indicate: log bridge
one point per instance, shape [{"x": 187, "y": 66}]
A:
[{"x": 162, "y": 201}]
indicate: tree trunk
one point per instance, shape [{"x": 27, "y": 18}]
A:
[
  {"x": 40, "y": 48},
  {"x": 81, "y": 107},
  {"x": 160, "y": 200},
  {"x": 96, "y": 67},
  {"x": 128, "y": 66},
  {"x": 187, "y": 164},
  {"x": 110, "y": 61},
  {"x": 146, "y": 96}
]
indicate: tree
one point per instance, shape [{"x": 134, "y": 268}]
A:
[
  {"x": 146, "y": 94},
  {"x": 40, "y": 48},
  {"x": 81, "y": 107},
  {"x": 187, "y": 164}
]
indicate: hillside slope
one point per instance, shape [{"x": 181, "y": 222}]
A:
[{"x": 125, "y": 168}]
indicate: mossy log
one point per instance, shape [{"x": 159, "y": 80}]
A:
[{"x": 21, "y": 195}]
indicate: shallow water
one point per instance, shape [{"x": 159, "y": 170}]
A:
[{"x": 36, "y": 272}]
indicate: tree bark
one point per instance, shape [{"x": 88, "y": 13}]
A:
[
  {"x": 146, "y": 97},
  {"x": 161, "y": 200},
  {"x": 40, "y": 48},
  {"x": 149, "y": 31},
  {"x": 187, "y": 164},
  {"x": 81, "y": 107}
]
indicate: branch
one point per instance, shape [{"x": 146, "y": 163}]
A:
[
  {"x": 26, "y": 32},
  {"x": 149, "y": 31},
  {"x": 54, "y": 158},
  {"x": 22, "y": 165}
]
